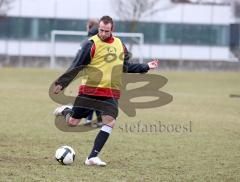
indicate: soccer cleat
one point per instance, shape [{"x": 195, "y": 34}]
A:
[
  {"x": 87, "y": 122},
  {"x": 94, "y": 161},
  {"x": 58, "y": 111}
]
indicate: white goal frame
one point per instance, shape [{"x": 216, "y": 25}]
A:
[{"x": 54, "y": 33}]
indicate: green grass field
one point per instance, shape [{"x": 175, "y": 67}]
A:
[{"x": 206, "y": 150}]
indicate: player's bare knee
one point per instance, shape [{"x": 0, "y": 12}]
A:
[
  {"x": 73, "y": 122},
  {"x": 108, "y": 120},
  {"x": 112, "y": 123}
]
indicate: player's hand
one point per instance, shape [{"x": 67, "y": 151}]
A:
[
  {"x": 153, "y": 64},
  {"x": 57, "y": 89}
]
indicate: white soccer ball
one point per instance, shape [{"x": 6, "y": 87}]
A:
[{"x": 65, "y": 155}]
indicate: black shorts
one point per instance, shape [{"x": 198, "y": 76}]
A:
[{"x": 84, "y": 104}]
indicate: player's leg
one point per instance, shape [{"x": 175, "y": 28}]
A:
[
  {"x": 67, "y": 111},
  {"x": 102, "y": 137},
  {"x": 100, "y": 140},
  {"x": 73, "y": 121},
  {"x": 77, "y": 114},
  {"x": 72, "y": 114}
]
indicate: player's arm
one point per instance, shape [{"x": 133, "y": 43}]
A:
[
  {"x": 135, "y": 67},
  {"x": 82, "y": 59}
]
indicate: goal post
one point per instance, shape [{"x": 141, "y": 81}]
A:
[{"x": 136, "y": 39}]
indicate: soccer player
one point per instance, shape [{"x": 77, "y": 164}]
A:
[{"x": 97, "y": 55}]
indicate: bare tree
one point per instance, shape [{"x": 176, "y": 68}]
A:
[
  {"x": 5, "y": 5},
  {"x": 236, "y": 8},
  {"x": 133, "y": 10},
  {"x": 213, "y": 2}
]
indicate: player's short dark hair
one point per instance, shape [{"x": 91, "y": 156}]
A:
[{"x": 106, "y": 20}]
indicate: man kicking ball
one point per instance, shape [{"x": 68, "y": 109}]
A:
[{"x": 108, "y": 56}]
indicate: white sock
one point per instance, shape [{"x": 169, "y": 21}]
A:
[{"x": 106, "y": 128}]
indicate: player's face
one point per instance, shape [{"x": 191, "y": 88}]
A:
[{"x": 104, "y": 30}]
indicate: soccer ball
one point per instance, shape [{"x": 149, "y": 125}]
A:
[{"x": 65, "y": 155}]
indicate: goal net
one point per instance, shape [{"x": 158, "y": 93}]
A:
[{"x": 65, "y": 44}]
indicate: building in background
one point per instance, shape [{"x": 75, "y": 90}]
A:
[{"x": 178, "y": 31}]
